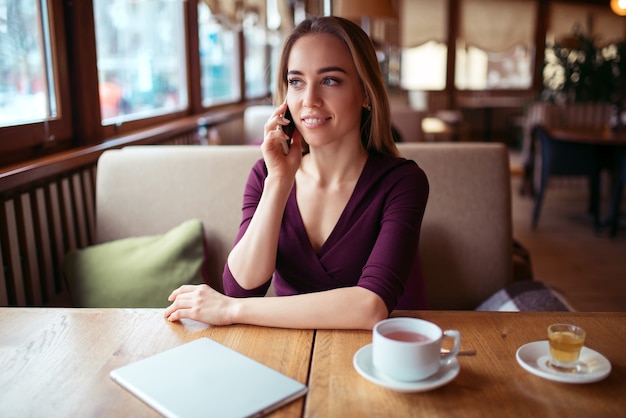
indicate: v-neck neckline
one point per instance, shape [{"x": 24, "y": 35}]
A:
[{"x": 342, "y": 218}]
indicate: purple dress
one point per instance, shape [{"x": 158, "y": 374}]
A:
[{"x": 373, "y": 245}]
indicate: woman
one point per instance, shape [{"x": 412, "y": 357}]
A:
[{"x": 335, "y": 218}]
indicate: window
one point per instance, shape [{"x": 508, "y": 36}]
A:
[
  {"x": 218, "y": 59},
  {"x": 142, "y": 65},
  {"x": 35, "y": 117},
  {"x": 278, "y": 22},
  {"x": 256, "y": 64},
  {"x": 478, "y": 69},
  {"x": 495, "y": 45},
  {"x": 424, "y": 67},
  {"x": 423, "y": 38},
  {"x": 27, "y": 90}
]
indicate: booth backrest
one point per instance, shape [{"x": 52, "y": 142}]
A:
[{"x": 466, "y": 240}]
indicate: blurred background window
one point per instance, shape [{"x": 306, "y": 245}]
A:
[
  {"x": 257, "y": 53},
  {"x": 424, "y": 67},
  {"x": 495, "y": 45},
  {"x": 423, "y": 41},
  {"x": 478, "y": 69},
  {"x": 219, "y": 58},
  {"x": 142, "y": 68},
  {"x": 27, "y": 90}
]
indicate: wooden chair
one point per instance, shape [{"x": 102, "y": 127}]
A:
[{"x": 560, "y": 158}]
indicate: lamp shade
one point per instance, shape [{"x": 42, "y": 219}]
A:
[
  {"x": 352, "y": 9},
  {"x": 619, "y": 7}
]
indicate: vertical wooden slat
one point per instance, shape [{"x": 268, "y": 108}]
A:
[
  {"x": 19, "y": 244},
  {"x": 56, "y": 234},
  {"x": 231, "y": 132},
  {"x": 4, "y": 251},
  {"x": 44, "y": 242},
  {"x": 67, "y": 218},
  {"x": 29, "y": 251},
  {"x": 79, "y": 218},
  {"x": 15, "y": 282},
  {"x": 89, "y": 202},
  {"x": 4, "y": 298}
]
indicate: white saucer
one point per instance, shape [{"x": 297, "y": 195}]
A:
[
  {"x": 592, "y": 366},
  {"x": 363, "y": 364}
]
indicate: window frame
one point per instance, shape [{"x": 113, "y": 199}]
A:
[
  {"x": 42, "y": 138},
  {"x": 74, "y": 62},
  {"x": 92, "y": 101}
]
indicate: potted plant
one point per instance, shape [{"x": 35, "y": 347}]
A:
[{"x": 576, "y": 70}]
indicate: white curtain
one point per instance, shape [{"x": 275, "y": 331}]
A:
[
  {"x": 496, "y": 25},
  {"x": 599, "y": 22},
  {"x": 422, "y": 21}
]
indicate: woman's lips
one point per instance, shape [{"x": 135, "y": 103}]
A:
[{"x": 313, "y": 122}]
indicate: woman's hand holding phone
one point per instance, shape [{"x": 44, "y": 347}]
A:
[
  {"x": 282, "y": 121},
  {"x": 280, "y": 136},
  {"x": 289, "y": 130}
]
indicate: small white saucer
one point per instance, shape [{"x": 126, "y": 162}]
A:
[
  {"x": 591, "y": 367},
  {"x": 363, "y": 364}
]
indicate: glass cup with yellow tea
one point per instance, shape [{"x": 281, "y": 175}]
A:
[{"x": 566, "y": 341}]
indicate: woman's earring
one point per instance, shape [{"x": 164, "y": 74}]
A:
[{"x": 369, "y": 107}]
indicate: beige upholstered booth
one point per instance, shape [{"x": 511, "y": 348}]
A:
[
  {"x": 148, "y": 190},
  {"x": 466, "y": 241}
]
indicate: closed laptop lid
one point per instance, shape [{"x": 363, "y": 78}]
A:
[{"x": 206, "y": 379}]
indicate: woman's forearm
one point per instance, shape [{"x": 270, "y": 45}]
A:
[
  {"x": 252, "y": 260},
  {"x": 342, "y": 308}
]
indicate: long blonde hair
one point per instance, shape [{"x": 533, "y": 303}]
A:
[{"x": 376, "y": 135}]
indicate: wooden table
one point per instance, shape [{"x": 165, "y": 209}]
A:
[
  {"x": 610, "y": 147},
  {"x": 589, "y": 136},
  {"x": 487, "y": 104},
  {"x": 56, "y": 362},
  {"x": 489, "y": 384}
]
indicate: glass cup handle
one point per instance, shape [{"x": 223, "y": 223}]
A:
[{"x": 456, "y": 335}]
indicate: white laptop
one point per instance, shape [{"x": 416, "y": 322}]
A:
[{"x": 206, "y": 379}]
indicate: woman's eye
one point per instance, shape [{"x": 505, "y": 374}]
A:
[
  {"x": 330, "y": 82},
  {"x": 293, "y": 82}
]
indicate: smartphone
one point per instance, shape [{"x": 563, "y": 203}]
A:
[{"x": 288, "y": 129}]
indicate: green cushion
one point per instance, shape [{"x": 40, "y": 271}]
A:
[{"x": 136, "y": 272}]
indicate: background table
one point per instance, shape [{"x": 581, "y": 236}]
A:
[
  {"x": 610, "y": 147},
  {"x": 488, "y": 104},
  {"x": 56, "y": 362},
  {"x": 489, "y": 384},
  {"x": 589, "y": 136}
]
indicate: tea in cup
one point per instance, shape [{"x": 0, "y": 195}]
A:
[
  {"x": 566, "y": 341},
  {"x": 409, "y": 349}
]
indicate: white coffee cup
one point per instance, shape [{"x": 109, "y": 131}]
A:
[{"x": 409, "y": 349}]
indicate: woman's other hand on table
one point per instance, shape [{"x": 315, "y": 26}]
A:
[{"x": 200, "y": 303}]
